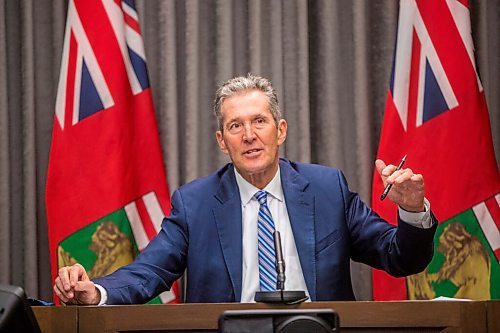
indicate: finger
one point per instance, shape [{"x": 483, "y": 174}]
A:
[
  {"x": 59, "y": 285},
  {"x": 380, "y": 165},
  {"x": 64, "y": 278},
  {"x": 395, "y": 174},
  {"x": 75, "y": 274},
  {"x": 417, "y": 178},
  {"x": 85, "y": 286},
  {"x": 89, "y": 294},
  {"x": 60, "y": 294},
  {"x": 389, "y": 170},
  {"x": 403, "y": 176},
  {"x": 410, "y": 183}
]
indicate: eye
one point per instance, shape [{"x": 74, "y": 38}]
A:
[
  {"x": 234, "y": 127},
  {"x": 260, "y": 121}
]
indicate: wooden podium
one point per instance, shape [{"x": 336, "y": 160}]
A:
[{"x": 404, "y": 316}]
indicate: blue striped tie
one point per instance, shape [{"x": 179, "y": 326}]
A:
[{"x": 267, "y": 256}]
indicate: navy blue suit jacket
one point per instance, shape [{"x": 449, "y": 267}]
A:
[{"x": 330, "y": 225}]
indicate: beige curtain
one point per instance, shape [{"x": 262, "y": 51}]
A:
[{"x": 329, "y": 60}]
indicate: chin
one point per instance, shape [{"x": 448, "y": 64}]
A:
[
  {"x": 254, "y": 171},
  {"x": 256, "y": 168}
]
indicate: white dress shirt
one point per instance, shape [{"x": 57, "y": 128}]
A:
[{"x": 250, "y": 210}]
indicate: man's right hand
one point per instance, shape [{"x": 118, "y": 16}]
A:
[{"x": 73, "y": 286}]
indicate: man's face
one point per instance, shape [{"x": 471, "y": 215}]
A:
[{"x": 250, "y": 136}]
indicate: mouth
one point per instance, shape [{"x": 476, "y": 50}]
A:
[{"x": 252, "y": 151}]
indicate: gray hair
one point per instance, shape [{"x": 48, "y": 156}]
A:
[{"x": 241, "y": 83}]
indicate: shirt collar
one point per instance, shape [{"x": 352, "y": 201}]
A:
[{"x": 247, "y": 190}]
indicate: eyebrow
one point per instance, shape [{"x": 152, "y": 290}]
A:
[{"x": 238, "y": 119}]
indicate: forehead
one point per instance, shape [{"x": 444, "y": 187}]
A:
[{"x": 245, "y": 103}]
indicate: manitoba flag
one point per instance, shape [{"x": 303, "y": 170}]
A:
[
  {"x": 106, "y": 191},
  {"x": 436, "y": 114}
]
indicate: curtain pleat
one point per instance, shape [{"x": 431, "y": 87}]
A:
[
  {"x": 486, "y": 15},
  {"x": 5, "y": 181},
  {"x": 27, "y": 226}
]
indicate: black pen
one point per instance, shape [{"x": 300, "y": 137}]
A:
[{"x": 389, "y": 186}]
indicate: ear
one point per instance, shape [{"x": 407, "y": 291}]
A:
[
  {"x": 220, "y": 141},
  {"x": 282, "y": 127}
]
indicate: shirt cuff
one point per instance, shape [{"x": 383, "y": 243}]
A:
[
  {"x": 104, "y": 294},
  {"x": 420, "y": 220}
]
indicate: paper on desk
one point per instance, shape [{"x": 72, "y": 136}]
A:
[{"x": 444, "y": 298}]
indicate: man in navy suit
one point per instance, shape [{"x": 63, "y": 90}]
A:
[{"x": 212, "y": 231}]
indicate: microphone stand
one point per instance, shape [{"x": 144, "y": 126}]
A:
[{"x": 281, "y": 295}]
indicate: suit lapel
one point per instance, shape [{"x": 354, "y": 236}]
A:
[
  {"x": 228, "y": 219},
  {"x": 300, "y": 206}
]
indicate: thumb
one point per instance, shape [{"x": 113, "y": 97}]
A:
[
  {"x": 380, "y": 165},
  {"x": 84, "y": 286},
  {"x": 88, "y": 293}
]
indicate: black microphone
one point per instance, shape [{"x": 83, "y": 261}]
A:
[
  {"x": 281, "y": 295},
  {"x": 280, "y": 262}
]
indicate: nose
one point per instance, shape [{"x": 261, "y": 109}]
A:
[{"x": 248, "y": 133}]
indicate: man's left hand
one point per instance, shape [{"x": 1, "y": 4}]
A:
[{"x": 407, "y": 190}]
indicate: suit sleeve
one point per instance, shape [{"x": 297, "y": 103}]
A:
[
  {"x": 156, "y": 268},
  {"x": 399, "y": 250}
]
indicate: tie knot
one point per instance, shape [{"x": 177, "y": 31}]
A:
[{"x": 261, "y": 197}]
